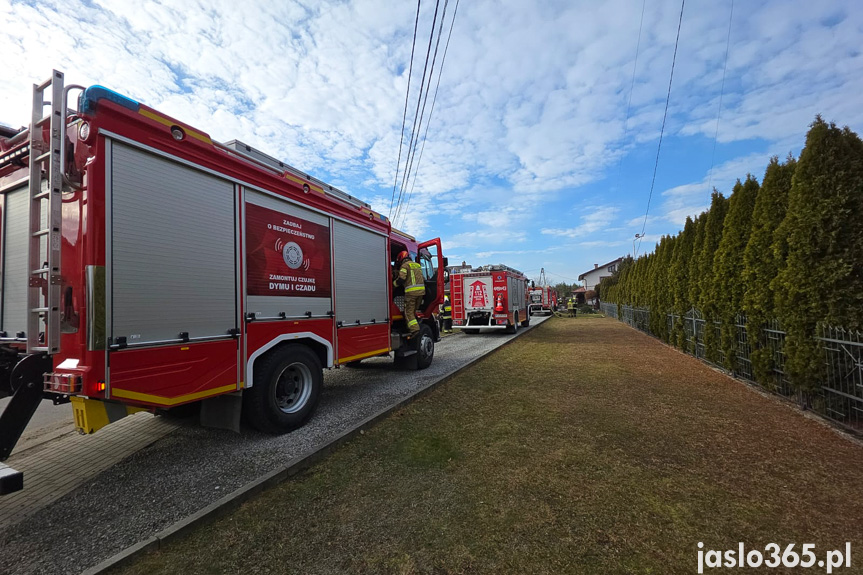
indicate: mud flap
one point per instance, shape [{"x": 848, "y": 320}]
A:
[
  {"x": 222, "y": 411},
  {"x": 27, "y": 381}
]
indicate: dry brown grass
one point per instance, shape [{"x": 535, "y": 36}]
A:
[{"x": 585, "y": 447}]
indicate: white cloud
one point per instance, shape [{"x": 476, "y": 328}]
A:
[
  {"x": 597, "y": 220},
  {"x": 532, "y": 101},
  {"x": 693, "y": 198}
]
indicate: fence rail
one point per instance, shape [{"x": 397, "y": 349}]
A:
[{"x": 838, "y": 398}]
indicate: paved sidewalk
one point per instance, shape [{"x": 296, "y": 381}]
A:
[{"x": 58, "y": 467}]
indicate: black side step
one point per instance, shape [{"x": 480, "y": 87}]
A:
[
  {"x": 27, "y": 381},
  {"x": 10, "y": 480}
]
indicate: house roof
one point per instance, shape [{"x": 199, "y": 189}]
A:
[{"x": 581, "y": 277}]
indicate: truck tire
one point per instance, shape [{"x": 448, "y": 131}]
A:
[
  {"x": 425, "y": 347},
  {"x": 513, "y": 327},
  {"x": 286, "y": 390},
  {"x": 526, "y": 321}
]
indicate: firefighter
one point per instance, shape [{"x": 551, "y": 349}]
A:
[
  {"x": 446, "y": 316},
  {"x": 411, "y": 276},
  {"x": 570, "y": 306}
]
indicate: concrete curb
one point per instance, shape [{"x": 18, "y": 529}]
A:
[{"x": 236, "y": 498}]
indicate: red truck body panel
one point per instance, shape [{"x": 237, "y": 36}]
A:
[{"x": 181, "y": 368}]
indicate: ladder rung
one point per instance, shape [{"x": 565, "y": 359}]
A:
[
  {"x": 41, "y": 233},
  {"x": 40, "y": 271},
  {"x": 39, "y": 348},
  {"x": 41, "y": 195},
  {"x": 44, "y": 120},
  {"x": 39, "y": 309},
  {"x": 42, "y": 157}
]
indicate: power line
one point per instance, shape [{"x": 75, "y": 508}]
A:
[
  {"x": 402, "y": 208},
  {"x": 419, "y": 100},
  {"x": 560, "y": 276},
  {"x": 412, "y": 152},
  {"x": 405, "y": 114},
  {"x": 721, "y": 93},
  {"x": 631, "y": 86},
  {"x": 662, "y": 130},
  {"x": 434, "y": 99}
]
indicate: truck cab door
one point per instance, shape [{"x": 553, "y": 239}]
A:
[{"x": 430, "y": 257}]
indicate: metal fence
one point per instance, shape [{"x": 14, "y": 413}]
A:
[
  {"x": 609, "y": 309},
  {"x": 838, "y": 398},
  {"x": 842, "y": 392}
]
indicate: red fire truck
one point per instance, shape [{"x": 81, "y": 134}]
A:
[
  {"x": 145, "y": 265},
  {"x": 543, "y": 299},
  {"x": 493, "y": 296}
]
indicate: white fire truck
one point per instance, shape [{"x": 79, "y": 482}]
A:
[
  {"x": 146, "y": 266},
  {"x": 493, "y": 297}
]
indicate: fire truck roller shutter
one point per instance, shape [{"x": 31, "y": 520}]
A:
[
  {"x": 172, "y": 234},
  {"x": 293, "y": 306},
  {"x": 361, "y": 275},
  {"x": 14, "y": 288}
]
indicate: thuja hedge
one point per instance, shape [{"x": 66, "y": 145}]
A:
[{"x": 790, "y": 248}]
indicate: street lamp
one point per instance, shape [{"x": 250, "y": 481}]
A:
[{"x": 637, "y": 237}]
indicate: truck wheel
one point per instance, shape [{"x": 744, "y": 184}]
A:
[
  {"x": 425, "y": 347},
  {"x": 513, "y": 327},
  {"x": 286, "y": 390},
  {"x": 526, "y": 321}
]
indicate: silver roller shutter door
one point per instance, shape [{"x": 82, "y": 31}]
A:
[
  {"x": 16, "y": 227},
  {"x": 361, "y": 274},
  {"x": 173, "y": 258}
]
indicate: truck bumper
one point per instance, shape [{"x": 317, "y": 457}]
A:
[{"x": 91, "y": 415}]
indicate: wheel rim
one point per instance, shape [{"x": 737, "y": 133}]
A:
[
  {"x": 293, "y": 388},
  {"x": 426, "y": 346}
]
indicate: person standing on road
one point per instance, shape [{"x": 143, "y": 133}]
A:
[
  {"x": 411, "y": 276},
  {"x": 446, "y": 316}
]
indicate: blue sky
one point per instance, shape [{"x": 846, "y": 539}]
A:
[{"x": 530, "y": 158}]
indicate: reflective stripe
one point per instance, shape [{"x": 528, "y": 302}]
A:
[
  {"x": 411, "y": 274},
  {"x": 416, "y": 277},
  {"x": 412, "y": 322}
]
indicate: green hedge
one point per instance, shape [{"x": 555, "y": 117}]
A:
[{"x": 790, "y": 248}]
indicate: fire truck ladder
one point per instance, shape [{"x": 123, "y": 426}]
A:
[
  {"x": 43, "y": 293},
  {"x": 46, "y": 186}
]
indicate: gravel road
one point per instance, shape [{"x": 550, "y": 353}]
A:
[{"x": 193, "y": 466}]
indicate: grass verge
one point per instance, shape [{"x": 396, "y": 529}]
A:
[{"x": 585, "y": 447}]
